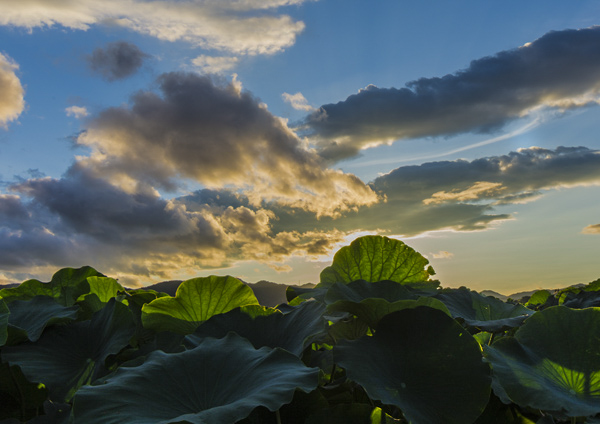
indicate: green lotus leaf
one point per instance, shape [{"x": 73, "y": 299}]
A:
[
  {"x": 423, "y": 362},
  {"x": 496, "y": 412},
  {"x": 66, "y": 286},
  {"x": 104, "y": 287},
  {"x": 220, "y": 382},
  {"x": 538, "y": 298},
  {"x": 4, "y": 315},
  {"x": 552, "y": 363},
  {"x": 377, "y": 258},
  {"x": 290, "y": 331},
  {"x": 195, "y": 301},
  {"x": 350, "y": 329},
  {"x": 29, "y": 318},
  {"x": 69, "y": 356},
  {"x": 20, "y": 399},
  {"x": 299, "y": 294},
  {"x": 483, "y": 312}
]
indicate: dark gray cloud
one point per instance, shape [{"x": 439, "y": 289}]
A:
[
  {"x": 559, "y": 70},
  {"x": 210, "y": 131},
  {"x": 117, "y": 60}
]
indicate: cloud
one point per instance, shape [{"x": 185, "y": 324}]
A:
[
  {"x": 443, "y": 254},
  {"x": 77, "y": 111},
  {"x": 11, "y": 92},
  {"x": 214, "y": 65},
  {"x": 560, "y": 70},
  {"x": 591, "y": 229},
  {"x": 241, "y": 27},
  {"x": 209, "y": 131},
  {"x": 297, "y": 101},
  {"x": 117, "y": 61}
]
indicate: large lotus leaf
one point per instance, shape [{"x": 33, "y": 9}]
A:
[
  {"x": 19, "y": 398},
  {"x": 104, "y": 287},
  {"x": 581, "y": 300},
  {"x": 423, "y": 362},
  {"x": 359, "y": 290},
  {"x": 4, "y": 314},
  {"x": 66, "y": 286},
  {"x": 552, "y": 363},
  {"x": 290, "y": 331},
  {"x": 29, "y": 318},
  {"x": 496, "y": 412},
  {"x": 538, "y": 299},
  {"x": 220, "y": 382},
  {"x": 377, "y": 258},
  {"x": 196, "y": 301},
  {"x": 483, "y": 312},
  {"x": 69, "y": 356},
  {"x": 352, "y": 413},
  {"x": 305, "y": 293}
]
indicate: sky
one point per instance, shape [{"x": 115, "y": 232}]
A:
[{"x": 159, "y": 140}]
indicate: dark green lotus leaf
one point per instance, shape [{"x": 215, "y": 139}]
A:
[
  {"x": 19, "y": 398},
  {"x": 483, "y": 312},
  {"x": 351, "y": 413},
  {"x": 581, "y": 300},
  {"x": 220, "y": 382},
  {"x": 351, "y": 328},
  {"x": 69, "y": 356},
  {"x": 538, "y": 299},
  {"x": 552, "y": 363},
  {"x": 4, "y": 315},
  {"x": 290, "y": 331},
  {"x": 196, "y": 301},
  {"x": 66, "y": 286},
  {"x": 423, "y": 362},
  {"x": 359, "y": 290},
  {"x": 496, "y": 412},
  {"x": 104, "y": 287},
  {"x": 29, "y": 318},
  {"x": 299, "y": 294},
  {"x": 377, "y": 258}
]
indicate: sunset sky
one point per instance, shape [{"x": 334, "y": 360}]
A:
[{"x": 159, "y": 140}]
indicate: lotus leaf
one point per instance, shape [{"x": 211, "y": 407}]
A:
[
  {"x": 220, "y": 382},
  {"x": 196, "y": 301},
  {"x": 552, "y": 362},
  {"x": 69, "y": 356},
  {"x": 103, "y": 287},
  {"x": 377, "y": 258},
  {"x": 4, "y": 315},
  {"x": 483, "y": 312},
  {"x": 352, "y": 413},
  {"x": 66, "y": 286},
  {"x": 289, "y": 331},
  {"x": 423, "y": 362},
  {"x": 19, "y": 398},
  {"x": 29, "y": 318}
]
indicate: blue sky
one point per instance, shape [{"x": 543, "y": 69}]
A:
[{"x": 161, "y": 140}]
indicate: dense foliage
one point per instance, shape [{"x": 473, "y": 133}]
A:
[{"x": 376, "y": 341}]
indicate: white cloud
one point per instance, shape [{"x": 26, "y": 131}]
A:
[
  {"x": 11, "y": 91},
  {"x": 77, "y": 111},
  {"x": 242, "y": 27},
  {"x": 298, "y": 101},
  {"x": 214, "y": 65}
]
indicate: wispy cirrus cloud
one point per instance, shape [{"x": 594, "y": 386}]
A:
[
  {"x": 77, "y": 112},
  {"x": 12, "y": 101},
  {"x": 591, "y": 229},
  {"x": 298, "y": 101},
  {"x": 560, "y": 70},
  {"x": 214, "y": 64},
  {"x": 241, "y": 27}
]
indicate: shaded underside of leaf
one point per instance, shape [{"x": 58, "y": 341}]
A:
[
  {"x": 287, "y": 331},
  {"x": 69, "y": 356},
  {"x": 220, "y": 382},
  {"x": 423, "y": 362}
]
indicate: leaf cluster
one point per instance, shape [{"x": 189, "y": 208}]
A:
[{"x": 376, "y": 341}]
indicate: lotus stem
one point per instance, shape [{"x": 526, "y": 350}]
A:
[{"x": 278, "y": 417}]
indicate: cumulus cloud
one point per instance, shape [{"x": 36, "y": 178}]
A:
[
  {"x": 117, "y": 60},
  {"x": 11, "y": 91},
  {"x": 77, "y": 111},
  {"x": 215, "y": 134},
  {"x": 560, "y": 70},
  {"x": 297, "y": 101},
  {"x": 214, "y": 65},
  {"x": 241, "y": 27},
  {"x": 591, "y": 229}
]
